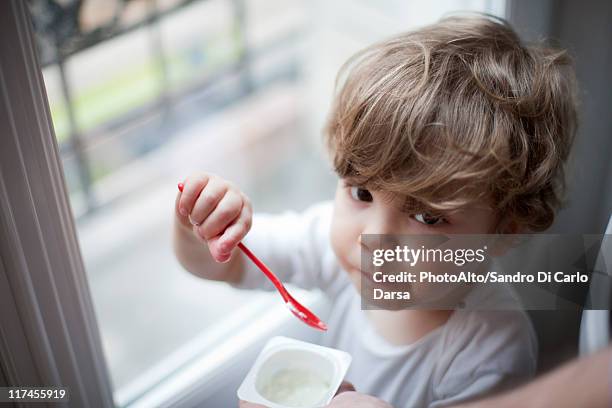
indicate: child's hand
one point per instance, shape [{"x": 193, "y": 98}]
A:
[
  {"x": 352, "y": 399},
  {"x": 346, "y": 397},
  {"x": 217, "y": 212}
]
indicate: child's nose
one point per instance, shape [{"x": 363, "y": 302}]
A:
[
  {"x": 381, "y": 226},
  {"x": 381, "y": 230},
  {"x": 367, "y": 246},
  {"x": 363, "y": 243}
]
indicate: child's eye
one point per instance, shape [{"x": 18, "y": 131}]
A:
[
  {"x": 428, "y": 219},
  {"x": 361, "y": 194}
]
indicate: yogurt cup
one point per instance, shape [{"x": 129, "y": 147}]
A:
[{"x": 289, "y": 373}]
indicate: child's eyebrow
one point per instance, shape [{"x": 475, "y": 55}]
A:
[
  {"x": 410, "y": 205},
  {"x": 353, "y": 181}
]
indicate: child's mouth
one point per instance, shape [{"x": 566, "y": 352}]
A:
[{"x": 364, "y": 274}]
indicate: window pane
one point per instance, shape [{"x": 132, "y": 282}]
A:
[{"x": 199, "y": 41}]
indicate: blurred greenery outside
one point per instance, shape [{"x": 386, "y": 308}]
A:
[{"x": 141, "y": 84}]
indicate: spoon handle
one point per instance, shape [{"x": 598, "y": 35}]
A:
[{"x": 273, "y": 278}]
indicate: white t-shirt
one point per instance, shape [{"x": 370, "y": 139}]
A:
[{"x": 474, "y": 353}]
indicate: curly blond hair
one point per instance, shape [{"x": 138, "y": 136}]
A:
[{"x": 457, "y": 112}]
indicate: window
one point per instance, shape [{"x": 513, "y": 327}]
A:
[{"x": 143, "y": 93}]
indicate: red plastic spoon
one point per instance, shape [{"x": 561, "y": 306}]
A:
[{"x": 300, "y": 311}]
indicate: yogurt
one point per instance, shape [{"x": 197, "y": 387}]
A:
[
  {"x": 296, "y": 387},
  {"x": 290, "y": 373}
]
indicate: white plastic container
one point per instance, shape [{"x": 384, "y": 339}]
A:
[{"x": 289, "y": 373}]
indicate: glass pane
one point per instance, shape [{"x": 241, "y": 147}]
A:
[
  {"x": 112, "y": 79},
  {"x": 136, "y": 104},
  {"x": 268, "y": 21},
  {"x": 195, "y": 52}
]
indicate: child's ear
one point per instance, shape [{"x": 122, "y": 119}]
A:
[
  {"x": 507, "y": 225},
  {"x": 513, "y": 227},
  {"x": 506, "y": 237}
]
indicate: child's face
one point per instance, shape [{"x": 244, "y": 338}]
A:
[{"x": 359, "y": 211}]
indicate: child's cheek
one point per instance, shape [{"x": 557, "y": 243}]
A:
[
  {"x": 344, "y": 236},
  {"x": 338, "y": 238}
]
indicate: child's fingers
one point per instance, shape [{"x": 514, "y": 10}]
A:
[
  {"x": 192, "y": 187},
  {"x": 208, "y": 199},
  {"x": 213, "y": 247},
  {"x": 345, "y": 387},
  {"x": 221, "y": 246},
  {"x": 244, "y": 404},
  {"x": 223, "y": 214},
  {"x": 235, "y": 232}
]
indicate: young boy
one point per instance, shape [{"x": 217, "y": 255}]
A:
[{"x": 456, "y": 128}]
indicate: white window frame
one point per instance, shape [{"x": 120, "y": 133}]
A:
[{"x": 48, "y": 330}]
